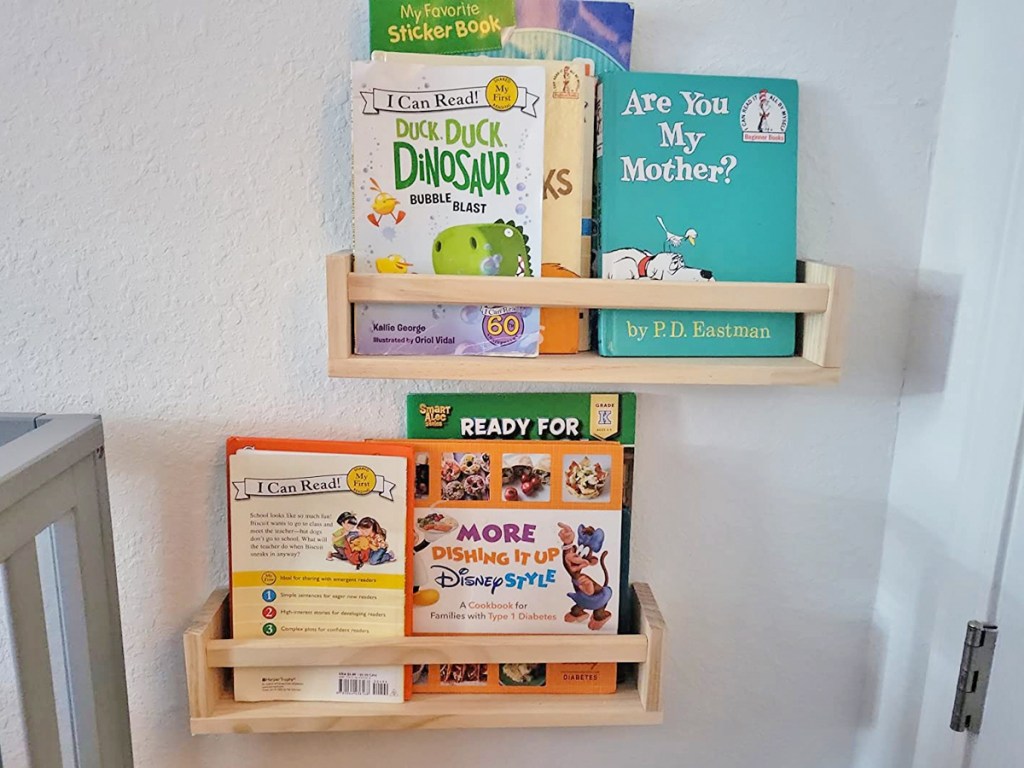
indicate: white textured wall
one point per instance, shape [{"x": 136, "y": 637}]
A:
[{"x": 172, "y": 175}]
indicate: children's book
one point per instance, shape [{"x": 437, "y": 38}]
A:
[
  {"x": 571, "y": 29},
  {"x": 517, "y": 677},
  {"x": 568, "y": 185},
  {"x": 448, "y": 164},
  {"x": 319, "y": 549},
  {"x": 440, "y": 26},
  {"x": 556, "y": 30},
  {"x": 696, "y": 182},
  {"x": 536, "y": 416},
  {"x": 517, "y": 537}
]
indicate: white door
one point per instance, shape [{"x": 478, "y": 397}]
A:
[
  {"x": 954, "y": 548},
  {"x": 1001, "y": 742},
  {"x": 980, "y": 571},
  {"x": 978, "y": 566}
]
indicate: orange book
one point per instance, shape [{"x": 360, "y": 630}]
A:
[
  {"x": 516, "y": 537},
  {"x": 319, "y": 548},
  {"x": 564, "y": 330}
]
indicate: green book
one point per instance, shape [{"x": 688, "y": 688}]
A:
[
  {"x": 440, "y": 26},
  {"x": 533, "y": 416}
]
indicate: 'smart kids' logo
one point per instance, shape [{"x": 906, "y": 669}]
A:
[{"x": 764, "y": 119}]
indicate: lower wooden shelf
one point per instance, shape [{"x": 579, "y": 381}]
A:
[{"x": 210, "y": 656}]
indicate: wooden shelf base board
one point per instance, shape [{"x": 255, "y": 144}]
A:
[
  {"x": 589, "y": 367},
  {"x": 430, "y": 711}
]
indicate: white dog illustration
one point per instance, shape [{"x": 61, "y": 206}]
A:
[{"x": 637, "y": 264}]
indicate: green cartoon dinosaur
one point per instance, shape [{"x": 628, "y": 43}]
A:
[{"x": 483, "y": 249}]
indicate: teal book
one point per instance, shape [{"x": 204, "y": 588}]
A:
[{"x": 696, "y": 182}]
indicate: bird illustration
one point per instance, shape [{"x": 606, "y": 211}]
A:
[
  {"x": 690, "y": 235},
  {"x": 384, "y": 204},
  {"x": 393, "y": 265}
]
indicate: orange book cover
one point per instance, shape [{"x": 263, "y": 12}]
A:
[
  {"x": 320, "y": 547},
  {"x": 516, "y": 537}
]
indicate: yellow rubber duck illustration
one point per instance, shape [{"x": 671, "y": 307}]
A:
[
  {"x": 384, "y": 204},
  {"x": 393, "y": 265}
]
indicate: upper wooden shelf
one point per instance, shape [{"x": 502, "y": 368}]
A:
[{"x": 821, "y": 298}]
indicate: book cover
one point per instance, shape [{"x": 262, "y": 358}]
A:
[
  {"x": 319, "y": 548},
  {"x": 556, "y": 30},
  {"x": 517, "y": 677},
  {"x": 448, "y": 168},
  {"x": 536, "y": 416},
  {"x": 696, "y": 182},
  {"x": 517, "y": 537},
  {"x": 568, "y": 197},
  {"x": 570, "y": 29},
  {"x": 568, "y": 183},
  {"x": 440, "y": 26}
]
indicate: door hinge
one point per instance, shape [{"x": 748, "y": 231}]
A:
[{"x": 975, "y": 671}]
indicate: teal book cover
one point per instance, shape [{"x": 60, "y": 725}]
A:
[{"x": 697, "y": 182}]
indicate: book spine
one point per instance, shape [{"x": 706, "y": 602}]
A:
[
  {"x": 598, "y": 169},
  {"x": 600, "y": 188}
]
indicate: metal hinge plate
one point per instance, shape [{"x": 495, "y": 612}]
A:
[{"x": 975, "y": 671}]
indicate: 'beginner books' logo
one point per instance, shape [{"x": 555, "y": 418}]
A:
[{"x": 764, "y": 117}]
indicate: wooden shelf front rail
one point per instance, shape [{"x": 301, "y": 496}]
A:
[
  {"x": 425, "y": 650},
  {"x": 821, "y": 299},
  {"x": 209, "y": 656},
  {"x": 593, "y": 294}
]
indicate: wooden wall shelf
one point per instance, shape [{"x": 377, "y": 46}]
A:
[
  {"x": 821, "y": 298},
  {"x": 209, "y": 657}
]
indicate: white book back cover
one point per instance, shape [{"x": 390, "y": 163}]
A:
[{"x": 318, "y": 550}]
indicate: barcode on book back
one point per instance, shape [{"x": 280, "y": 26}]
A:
[{"x": 362, "y": 686}]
